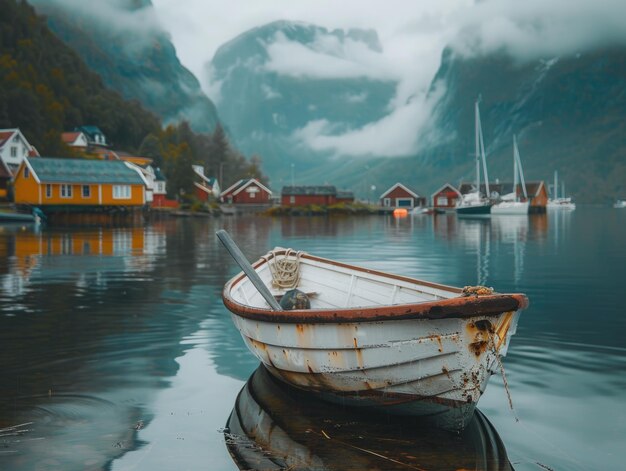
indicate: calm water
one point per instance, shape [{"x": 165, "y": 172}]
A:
[{"x": 116, "y": 351}]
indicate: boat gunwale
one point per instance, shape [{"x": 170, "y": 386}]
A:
[{"x": 457, "y": 307}]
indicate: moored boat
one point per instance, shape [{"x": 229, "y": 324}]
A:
[
  {"x": 475, "y": 203},
  {"x": 11, "y": 216},
  {"x": 561, "y": 202},
  {"x": 375, "y": 340},
  {"x": 620, "y": 204},
  {"x": 512, "y": 203}
]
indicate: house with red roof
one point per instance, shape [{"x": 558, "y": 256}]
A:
[
  {"x": 248, "y": 191},
  {"x": 400, "y": 196},
  {"x": 14, "y": 148},
  {"x": 206, "y": 187},
  {"x": 446, "y": 198},
  {"x": 75, "y": 139}
]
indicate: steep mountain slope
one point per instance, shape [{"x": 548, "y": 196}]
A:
[
  {"x": 123, "y": 42},
  {"x": 278, "y": 79},
  {"x": 568, "y": 113},
  {"x": 45, "y": 88}
]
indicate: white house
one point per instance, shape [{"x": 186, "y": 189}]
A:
[
  {"x": 75, "y": 139},
  {"x": 14, "y": 148}
]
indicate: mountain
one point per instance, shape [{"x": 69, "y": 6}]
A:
[
  {"x": 568, "y": 114},
  {"x": 46, "y": 89},
  {"x": 277, "y": 79},
  {"x": 123, "y": 42}
]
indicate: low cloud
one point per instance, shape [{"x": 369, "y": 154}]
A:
[
  {"x": 534, "y": 29},
  {"x": 327, "y": 57},
  {"x": 396, "y": 135},
  {"x": 137, "y": 26}
]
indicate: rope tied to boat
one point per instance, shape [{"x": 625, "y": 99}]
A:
[
  {"x": 496, "y": 354},
  {"x": 476, "y": 291},
  {"x": 285, "y": 269}
]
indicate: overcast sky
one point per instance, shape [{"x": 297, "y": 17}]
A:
[{"x": 412, "y": 33}]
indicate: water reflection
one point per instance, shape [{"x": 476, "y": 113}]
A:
[{"x": 273, "y": 427}]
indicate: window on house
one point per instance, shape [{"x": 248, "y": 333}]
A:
[
  {"x": 86, "y": 191},
  {"x": 26, "y": 172},
  {"x": 66, "y": 191},
  {"x": 121, "y": 192},
  {"x": 13, "y": 151},
  {"x": 387, "y": 202},
  {"x": 48, "y": 190},
  {"x": 292, "y": 199},
  {"x": 442, "y": 201}
]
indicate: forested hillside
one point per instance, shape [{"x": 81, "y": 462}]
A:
[
  {"x": 46, "y": 89},
  {"x": 124, "y": 43}
]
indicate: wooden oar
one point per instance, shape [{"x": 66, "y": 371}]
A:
[{"x": 251, "y": 273}]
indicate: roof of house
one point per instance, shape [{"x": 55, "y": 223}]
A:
[
  {"x": 90, "y": 130},
  {"x": 69, "y": 137},
  {"x": 158, "y": 175},
  {"x": 243, "y": 183},
  {"x": 345, "y": 194},
  {"x": 6, "y": 134},
  {"x": 320, "y": 190},
  {"x": 443, "y": 187},
  {"x": 105, "y": 154},
  {"x": 400, "y": 185},
  {"x": 54, "y": 170}
]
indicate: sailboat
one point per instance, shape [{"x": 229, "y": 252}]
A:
[
  {"x": 511, "y": 203},
  {"x": 560, "y": 202},
  {"x": 474, "y": 203}
]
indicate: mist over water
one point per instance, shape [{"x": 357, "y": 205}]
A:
[{"x": 116, "y": 351}]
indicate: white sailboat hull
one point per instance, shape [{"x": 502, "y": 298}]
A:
[{"x": 511, "y": 208}]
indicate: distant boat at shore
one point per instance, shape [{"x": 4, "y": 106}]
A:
[
  {"x": 475, "y": 203},
  {"x": 12, "y": 216},
  {"x": 620, "y": 204},
  {"x": 512, "y": 204},
  {"x": 560, "y": 202}
]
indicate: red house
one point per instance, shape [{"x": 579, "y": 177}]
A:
[
  {"x": 247, "y": 191},
  {"x": 206, "y": 187},
  {"x": 399, "y": 196},
  {"x": 322, "y": 195},
  {"x": 446, "y": 197}
]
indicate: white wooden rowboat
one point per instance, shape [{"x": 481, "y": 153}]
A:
[{"x": 377, "y": 340}]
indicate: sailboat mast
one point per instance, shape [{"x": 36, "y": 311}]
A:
[
  {"x": 519, "y": 168},
  {"x": 556, "y": 185},
  {"x": 482, "y": 152},
  {"x": 477, "y": 144},
  {"x": 515, "y": 176}
]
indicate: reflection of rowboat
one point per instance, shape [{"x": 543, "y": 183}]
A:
[
  {"x": 374, "y": 339},
  {"x": 273, "y": 427}
]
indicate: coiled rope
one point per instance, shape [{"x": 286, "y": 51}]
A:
[{"x": 285, "y": 270}]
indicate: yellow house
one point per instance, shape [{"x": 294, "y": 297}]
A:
[{"x": 51, "y": 182}]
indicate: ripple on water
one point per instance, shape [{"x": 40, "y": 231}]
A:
[{"x": 69, "y": 430}]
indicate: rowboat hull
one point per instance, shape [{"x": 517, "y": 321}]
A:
[{"x": 431, "y": 357}]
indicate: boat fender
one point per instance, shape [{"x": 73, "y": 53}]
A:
[{"x": 295, "y": 299}]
